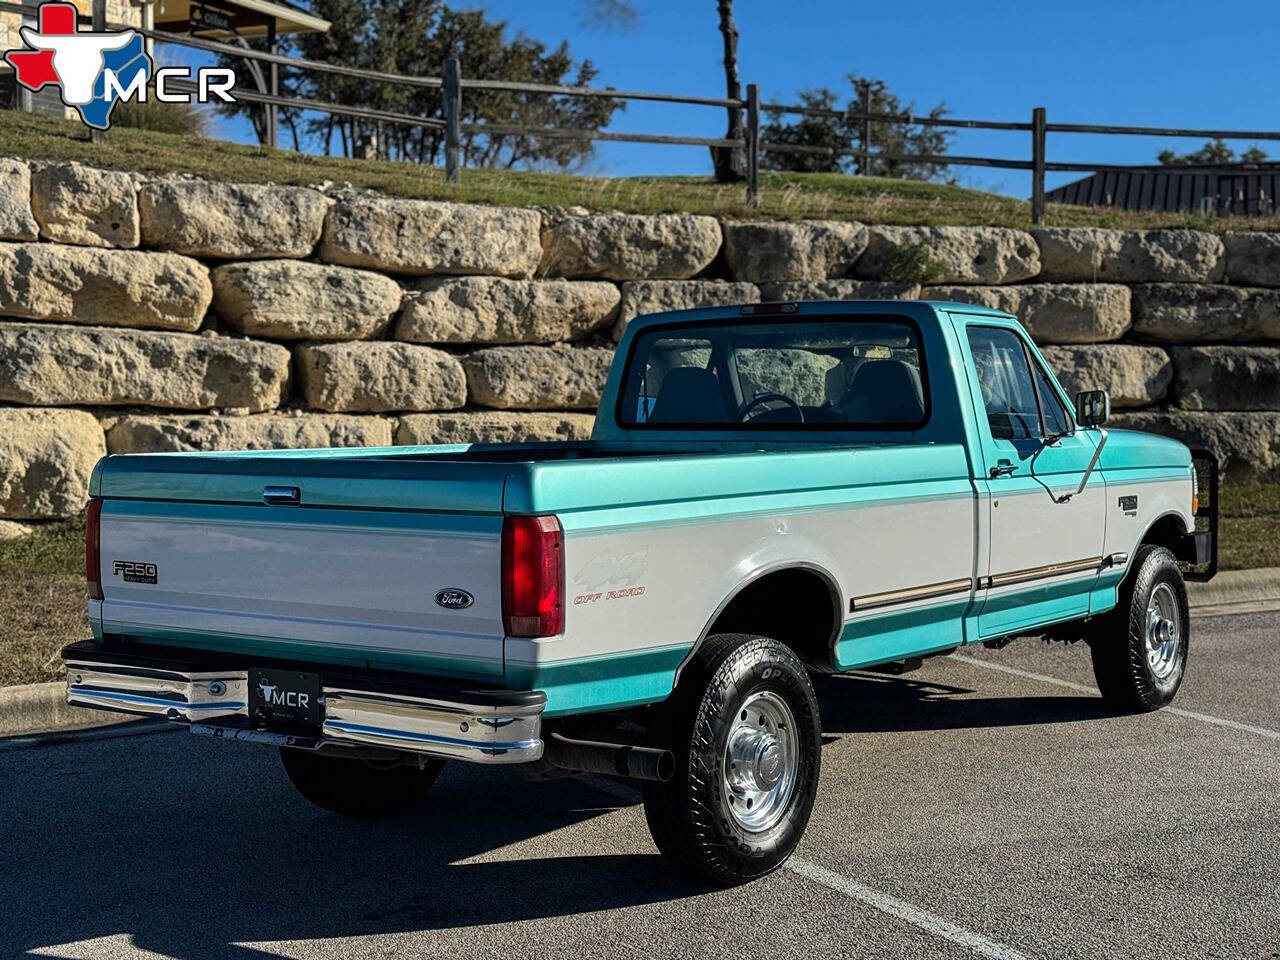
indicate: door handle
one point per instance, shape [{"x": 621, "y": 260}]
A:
[
  {"x": 281, "y": 495},
  {"x": 1003, "y": 468}
]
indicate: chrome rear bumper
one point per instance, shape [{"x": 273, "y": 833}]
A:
[{"x": 485, "y": 731}]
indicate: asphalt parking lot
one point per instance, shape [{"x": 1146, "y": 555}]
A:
[{"x": 984, "y": 805}]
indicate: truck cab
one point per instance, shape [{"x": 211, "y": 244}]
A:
[{"x": 769, "y": 490}]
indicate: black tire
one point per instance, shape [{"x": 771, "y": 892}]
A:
[
  {"x": 358, "y": 788},
  {"x": 690, "y": 816},
  {"x": 1122, "y": 657}
]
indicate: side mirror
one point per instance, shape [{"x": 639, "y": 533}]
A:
[{"x": 1093, "y": 407}]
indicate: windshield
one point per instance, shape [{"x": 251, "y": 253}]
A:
[{"x": 819, "y": 372}]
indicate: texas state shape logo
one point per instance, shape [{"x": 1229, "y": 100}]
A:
[{"x": 79, "y": 64}]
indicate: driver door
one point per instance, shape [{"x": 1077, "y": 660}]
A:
[{"x": 1045, "y": 539}]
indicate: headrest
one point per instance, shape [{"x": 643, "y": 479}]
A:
[
  {"x": 689, "y": 395},
  {"x": 885, "y": 391}
]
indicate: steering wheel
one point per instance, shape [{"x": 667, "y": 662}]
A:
[{"x": 770, "y": 398}]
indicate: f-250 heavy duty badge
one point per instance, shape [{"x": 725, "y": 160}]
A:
[{"x": 133, "y": 572}]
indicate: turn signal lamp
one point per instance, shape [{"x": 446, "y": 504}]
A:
[{"x": 532, "y": 576}]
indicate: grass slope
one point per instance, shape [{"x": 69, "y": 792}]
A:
[
  {"x": 42, "y": 601},
  {"x": 42, "y": 589},
  {"x": 782, "y": 195}
]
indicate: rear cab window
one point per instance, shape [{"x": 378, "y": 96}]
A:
[{"x": 803, "y": 374}]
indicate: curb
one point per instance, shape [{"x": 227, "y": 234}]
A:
[
  {"x": 42, "y": 707},
  {"x": 1237, "y": 591}
]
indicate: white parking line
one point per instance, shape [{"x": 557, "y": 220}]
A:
[
  {"x": 901, "y": 909},
  {"x": 913, "y": 915},
  {"x": 1176, "y": 711}
]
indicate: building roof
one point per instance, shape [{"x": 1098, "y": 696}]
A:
[
  {"x": 1232, "y": 189},
  {"x": 249, "y": 18}
]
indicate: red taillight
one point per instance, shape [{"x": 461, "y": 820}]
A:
[
  {"x": 532, "y": 576},
  {"x": 92, "y": 548}
]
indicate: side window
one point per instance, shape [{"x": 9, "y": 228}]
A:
[
  {"x": 1056, "y": 421},
  {"x": 1007, "y": 389}
]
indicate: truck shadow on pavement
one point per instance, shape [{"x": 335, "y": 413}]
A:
[
  {"x": 199, "y": 853},
  {"x": 866, "y": 702},
  {"x": 200, "y": 850}
]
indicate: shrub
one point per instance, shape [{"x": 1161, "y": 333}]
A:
[
  {"x": 180, "y": 118},
  {"x": 913, "y": 263}
]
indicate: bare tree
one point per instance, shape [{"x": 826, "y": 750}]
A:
[{"x": 726, "y": 160}]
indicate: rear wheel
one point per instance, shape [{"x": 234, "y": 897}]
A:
[
  {"x": 1140, "y": 652},
  {"x": 358, "y": 787},
  {"x": 745, "y": 731}
]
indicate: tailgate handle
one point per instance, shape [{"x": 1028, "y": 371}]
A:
[{"x": 281, "y": 495}]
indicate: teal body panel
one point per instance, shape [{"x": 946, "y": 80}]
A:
[
  {"x": 695, "y": 487},
  {"x": 1036, "y": 605},
  {"x": 591, "y": 684},
  {"x": 321, "y": 654},
  {"x": 703, "y": 478},
  {"x": 896, "y": 635},
  {"x": 1132, "y": 454},
  {"x": 230, "y": 514},
  {"x": 408, "y": 479}
]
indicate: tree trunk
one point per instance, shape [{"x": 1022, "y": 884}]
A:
[{"x": 727, "y": 161}]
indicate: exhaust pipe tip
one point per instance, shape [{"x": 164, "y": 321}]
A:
[
  {"x": 665, "y": 767},
  {"x": 610, "y": 759}
]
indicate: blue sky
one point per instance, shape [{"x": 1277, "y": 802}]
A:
[{"x": 1126, "y": 62}]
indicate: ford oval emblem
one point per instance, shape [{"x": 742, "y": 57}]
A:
[{"x": 451, "y": 598}]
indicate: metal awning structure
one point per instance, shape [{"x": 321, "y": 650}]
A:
[
  {"x": 237, "y": 22},
  {"x": 223, "y": 19}
]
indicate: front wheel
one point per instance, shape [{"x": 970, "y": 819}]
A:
[
  {"x": 358, "y": 787},
  {"x": 745, "y": 730},
  {"x": 1140, "y": 654}
]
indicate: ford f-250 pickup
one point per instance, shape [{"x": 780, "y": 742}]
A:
[{"x": 769, "y": 490}]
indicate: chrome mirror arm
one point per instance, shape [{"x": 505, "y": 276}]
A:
[{"x": 1088, "y": 471}]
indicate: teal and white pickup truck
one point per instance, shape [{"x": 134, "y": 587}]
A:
[{"x": 769, "y": 490}]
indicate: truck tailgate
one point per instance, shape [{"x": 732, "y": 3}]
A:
[{"x": 191, "y": 554}]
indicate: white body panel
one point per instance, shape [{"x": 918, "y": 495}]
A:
[
  {"x": 1156, "y": 498},
  {"x": 1032, "y": 529},
  {"x": 360, "y": 580},
  {"x": 658, "y": 582}
]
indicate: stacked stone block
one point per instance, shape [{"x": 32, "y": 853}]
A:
[{"x": 178, "y": 314}]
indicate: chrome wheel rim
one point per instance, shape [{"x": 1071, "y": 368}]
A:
[
  {"x": 761, "y": 761},
  {"x": 1163, "y": 631}
]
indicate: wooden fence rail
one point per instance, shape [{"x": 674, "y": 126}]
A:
[{"x": 453, "y": 86}]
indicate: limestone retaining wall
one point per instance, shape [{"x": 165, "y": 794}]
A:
[{"x": 178, "y": 314}]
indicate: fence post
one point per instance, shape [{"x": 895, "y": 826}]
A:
[
  {"x": 99, "y": 20},
  {"x": 864, "y": 161},
  {"x": 452, "y": 118},
  {"x": 753, "y": 145},
  {"x": 1037, "y": 166},
  {"x": 273, "y": 115}
]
